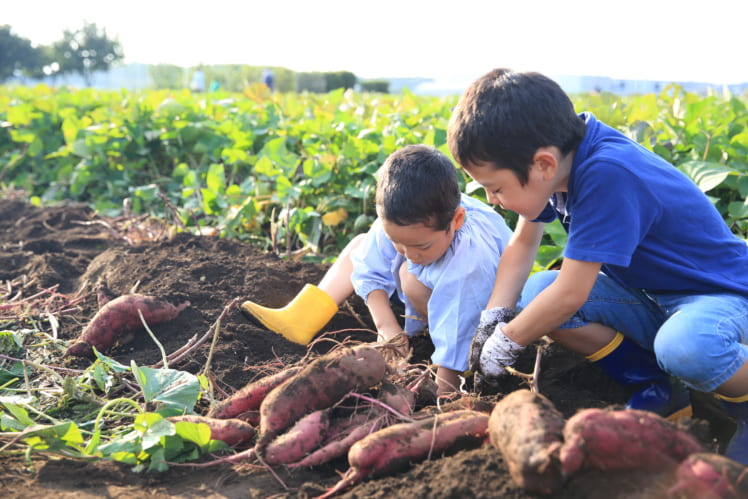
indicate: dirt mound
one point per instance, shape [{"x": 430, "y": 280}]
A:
[{"x": 68, "y": 247}]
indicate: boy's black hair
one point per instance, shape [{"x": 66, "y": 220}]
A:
[
  {"x": 418, "y": 184},
  {"x": 504, "y": 117}
]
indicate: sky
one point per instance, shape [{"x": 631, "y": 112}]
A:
[{"x": 630, "y": 39}]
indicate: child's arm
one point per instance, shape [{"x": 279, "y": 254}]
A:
[
  {"x": 551, "y": 308},
  {"x": 516, "y": 263},
  {"x": 447, "y": 381},
  {"x": 381, "y": 313},
  {"x": 555, "y": 304}
]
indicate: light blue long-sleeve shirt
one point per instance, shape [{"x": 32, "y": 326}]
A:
[{"x": 461, "y": 280}]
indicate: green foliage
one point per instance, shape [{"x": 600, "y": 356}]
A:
[
  {"x": 75, "y": 416},
  {"x": 290, "y": 171}
]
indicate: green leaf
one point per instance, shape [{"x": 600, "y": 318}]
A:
[
  {"x": 156, "y": 431},
  {"x": 199, "y": 433},
  {"x": 266, "y": 167},
  {"x": 706, "y": 174},
  {"x": 14, "y": 372},
  {"x": 276, "y": 151},
  {"x": 110, "y": 363},
  {"x": 53, "y": 436},
  {"x": 548, "y": 255},
  {"x": 738, "y": 209},
  {"x": 216, "y": 178},
  {"x": 11, "y": 405},
  {"x": 80, "y": 148},
  {"x": 126, "y": 446},
  {"x": 175, "y": 389},
  {"x": 557, "y": 233}
]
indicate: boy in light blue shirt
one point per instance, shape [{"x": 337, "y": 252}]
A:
[{"x": 433, "y": 246}]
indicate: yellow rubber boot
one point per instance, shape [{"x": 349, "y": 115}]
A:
[{"x": 300, "y": 320}]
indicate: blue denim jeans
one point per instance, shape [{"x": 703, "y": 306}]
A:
[{"x": 699, "y": 338}]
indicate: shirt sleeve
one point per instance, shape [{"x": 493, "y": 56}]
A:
[
  {"x": 608, "y": 223},
  {"x": 373, "y": 263}
]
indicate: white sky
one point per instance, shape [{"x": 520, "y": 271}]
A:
[{"x": 634, "y": 39}]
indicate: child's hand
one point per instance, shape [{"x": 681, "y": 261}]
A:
[
  {"x": 498, "y": 352},
  {"x": 488, "y": 321},
  {"x": 397, "y": 345}
]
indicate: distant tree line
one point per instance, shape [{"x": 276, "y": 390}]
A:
[
  {"x": 89, "y": 49},
  {"x": 81, "y": 51},
  {"x": 235, "y": 77}
]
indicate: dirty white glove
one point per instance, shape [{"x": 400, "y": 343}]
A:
[
  {"x": 488, "y": 321},
  {"x": 498, "y": 352}
]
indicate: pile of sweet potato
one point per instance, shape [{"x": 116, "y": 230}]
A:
[
  {"x": 542, "y": 450},
  {"x": 352, "y": 402}
]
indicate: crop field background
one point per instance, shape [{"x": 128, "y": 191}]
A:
[
  {"x": 291, "y": 175},
  {"x": 294, "y": 172}
]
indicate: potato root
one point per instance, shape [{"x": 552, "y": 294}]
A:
[
  {"x": 321, "y": 384},
  {"x": 705, "y": 475},
  {"x": 118, "y": 318},
  {"x": 250, "y": 397},
  {"x": 231, "y": 431},
  {"x": 398, "y": 446},
  {"x": 528, "y": 431},
  {"x": 464, "y": 402},
  {"x": 625, "y": 439}
]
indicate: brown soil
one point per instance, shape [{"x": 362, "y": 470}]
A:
[{"x": 50, "y": 246}]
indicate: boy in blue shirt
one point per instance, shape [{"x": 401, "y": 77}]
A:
[
  {"x": 653, "y": 282},
  {"x": 437, "y": 248}
]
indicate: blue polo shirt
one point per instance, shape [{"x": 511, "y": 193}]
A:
[{"x": 644, "y": 220}]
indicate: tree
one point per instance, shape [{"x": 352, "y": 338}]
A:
[
  {"x": 17, "y": 54},
  {"x": 166, "y": 76},
  {"x": 87, "y": 50}
]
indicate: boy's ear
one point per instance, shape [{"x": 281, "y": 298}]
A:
[
  {"x": 459, "y": 217},
  {"x": 546, "y": 159}
]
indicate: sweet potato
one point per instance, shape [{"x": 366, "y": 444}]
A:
[
  {"x": 397, "y": 397},
  {"x": 338, "y": 442},
  {"x": 398, "y": 446},
  {"x": 231, "y": 431},
  {"x": 118, "y": 318},
  {"x": 251, "y": 396},
  {"x": 528, "y": 431},
  {"x": 705, "y": 475},
  {"x": 321, "y": 384},
  {"x": 301, "y": 439},
  {"x": 627, "y": 439}
]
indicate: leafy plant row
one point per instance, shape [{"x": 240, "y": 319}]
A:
[{"x": 295, "y": 172}]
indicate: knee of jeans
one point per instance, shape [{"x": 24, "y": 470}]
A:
[
  {"x": 535, "y": 284},
  {"x": 676, "y": 355}
]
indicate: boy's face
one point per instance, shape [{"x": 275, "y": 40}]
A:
[
  {"x": 504, "y": 189},
  {"x": 420, "y": 243}
]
